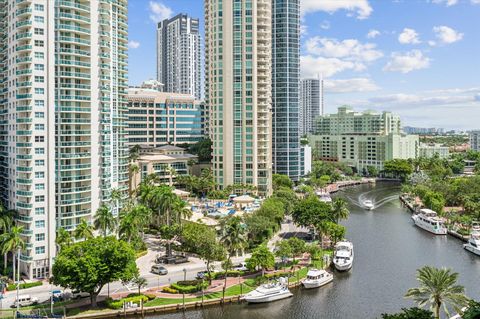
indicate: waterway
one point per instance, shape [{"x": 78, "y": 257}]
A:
[{"x": 388, "y": 250}]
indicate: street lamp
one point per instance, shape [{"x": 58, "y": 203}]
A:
[{"x": 183, "y": 291}]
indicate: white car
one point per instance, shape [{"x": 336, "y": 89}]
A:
[
  {"x": 25, "y": 300},
  {"x": 240, "y": 267}
]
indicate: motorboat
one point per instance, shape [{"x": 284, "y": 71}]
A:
[
  {"x": 428, "y": 220},
  {"x": 473, "y": 244},
  {"x": 343, "y": 256},
  {"x": 368, "y": 204},
  {"x": 269, "y": 292},
  {"x": 324, "y": 197},
  {"x": 317, "y": 278}
]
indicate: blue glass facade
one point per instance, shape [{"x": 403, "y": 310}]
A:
[{"x": 285, "y": 87}]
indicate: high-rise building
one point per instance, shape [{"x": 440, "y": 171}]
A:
[
  {"x": 64, "y": 81},
  {"x": 178, "y": 55},
  {"x": 159, "y": 118},
  {"x": 285, "y": 87},
  {"x": 238, "y": 90},
  {"x": 475, "y": 140},
  {"x": 309, "y": 104}
]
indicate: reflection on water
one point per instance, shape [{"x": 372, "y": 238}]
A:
[{"x": 388, "y": 250}]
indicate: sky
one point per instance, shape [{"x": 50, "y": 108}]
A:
[{"x": 417, "y": 58}]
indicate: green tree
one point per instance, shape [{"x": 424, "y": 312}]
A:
[
  {"x": 89, "y": 265},
  {"x": 233, "y": 239},
  {"x": 411, "y": 313},
  {"x": 13, "y": 242},
  {"x": 372, "y": 171},
  {"x": 83, "y": 230},
  {"x": 104, "y": 220},
  {"x": 116, "y": 196},
  {"x": 335, "y": 231},
  {"x": 339, "y": 210},
  {"x": 6, "y": 223},
  {"x": 311, "y": 212},
  {"x": 140, "y": 282},
  {"x": 287, "y": 197},
  {"x": 279, "y": 180},
  {"x": 283, "y": 249},
  {"x": 203, "y": 149},
  {"x": 297, "y": 245},
  {"x": 434, "y": 201},
  {"x": 261, "y": 257},
  {"x": 314, "y": 250},
  {"x": 398, "y": 168},
  {"x": 438, "y": 287},
  {"x": 473, "y": 310},
  {"x": 63, "y": 238}
]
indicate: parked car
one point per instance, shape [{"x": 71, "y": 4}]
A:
[
  {"x": 77, "y": 294},
  {"x": 240, "y": 267},
  {"x": 58, "y": 295},
  {"x": 201, "y": 274},
  {"x": 159, "y": 270},
  {"x": 24, "y": 301}
]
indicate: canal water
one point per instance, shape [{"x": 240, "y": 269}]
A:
[{"x": 388, "y": 250}]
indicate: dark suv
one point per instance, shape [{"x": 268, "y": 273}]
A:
[{"x": 172, "y": 259}]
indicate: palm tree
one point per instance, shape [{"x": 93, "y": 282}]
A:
[
  {"x": 12, "y": 241},
  {"x": 339, "y": 209},
  {"x": 134, "y": 169},
  {"x": 83, "y": 230},
  {"x": 140, "y": 282},
  {"x": 438, "y": 287},
  {"x": 6, "y": 222},
  {"x": 133, "y": 220},
  {"x": 233, "y": 239},
  {"x": 63, "y": 238},
  {"x": 104, "y": 220}
]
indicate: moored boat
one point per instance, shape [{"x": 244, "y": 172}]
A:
[
  {"x": 473, "y": 244},
  {"x": 428, "y": 220},
  {"x": 269, "y": 292},
  {"x": 317, "y": 278},
  {"x": 343, "y": 256}
]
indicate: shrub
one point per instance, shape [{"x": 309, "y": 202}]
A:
[
  {"x": 26, "y": 285},
  {"x": 188, "y": 289},
  {"x": 150, "y": 296},
  {"x": 189, "y": 282},
  {"x": 118, "y": 304},
  {"x": 231, "y": 273},
  {"x": 169, "y": 290},
  {"x": 141, "y": 253}
]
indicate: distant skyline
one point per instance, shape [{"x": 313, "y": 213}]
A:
[{"x": 417, "y": 58}]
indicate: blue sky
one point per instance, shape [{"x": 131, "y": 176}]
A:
[{"x": 417, "y": 58}]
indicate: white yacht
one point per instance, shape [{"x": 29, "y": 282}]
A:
[
  {"x": 343, "y": 256},
  {"x": 473, "y": 244},
  {"x": 269, "y": 292},
  {"x": 368, "y": 204},
  {"x": 428, "y": 220},
  {"x": 317, "y": 278},
  {"x": 324, "y": 197}
]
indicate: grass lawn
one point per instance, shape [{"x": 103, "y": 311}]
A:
[{"x": 231, "y": 291}]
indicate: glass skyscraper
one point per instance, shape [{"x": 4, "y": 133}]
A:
[{"x": 285, "y": 87}]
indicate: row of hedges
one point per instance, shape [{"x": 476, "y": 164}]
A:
[
  {"x": 188, "y": 289},
  {"x": 230, "y": 273},
  {"x": 26, "y": 285},
  {"x": 135, "y": 298}
]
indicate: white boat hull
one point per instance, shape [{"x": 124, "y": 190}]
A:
[
  {"x": 268, "y": 298},
  {"x": 343, "y": 266},
  {"x": 472, "y": 249},
  {"x": 309, "y": 284},
  {"x": 368, "y": 207},
  {"x": 440, "y": 231}
]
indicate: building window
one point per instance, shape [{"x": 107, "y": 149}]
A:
[
  {"x": 39, "y": 79},
  {"x": 40, "y": 250},
  {"x": 40, "y": 211},
  {"x": 39, "y": 67},
  {"x": 39, "y": 7},
  {"x": 39, "y": 174},
  {"x": 39, "y": 91},
  {"x": 39, "y": 55},
  {"x": 39, "y": 150},
  {"x": 39, "y": 115},
  {"x": 40, "y": 223},
  {"x": 39, "y": 31},
  {"x": 39, "y": 138},
  {"x": 39, "y": 103},
  {"x": 40, "y": 198},
  {"x": 39, "y": 43},
  {"x": 40, "y": 127},
  {"x": 39, "y": 186},
  {"x": 39, "y": 237},
  {"x": 39, "y": 162}
]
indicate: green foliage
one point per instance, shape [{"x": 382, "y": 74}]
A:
[
  {"x": 118, "y": 304},
  {"x": 287, "y": 197},
  {"x": 372, "y": 171},
  {"x": 265, "y": 221},
  {"x": 279, "y": 180},
  {"x": 434, "y": 201},
  {"x": 310, "y": 212},
  {"x": 169, "y": 290},
  {"x": 261, "y": 257},
  {"x": 297, "y": 245},
  {"x": 398, "y": 168},
  {"x": 189, "y": 286},
  {"x": 438, "y": 289},
  {"x": 283, "y": 249},
  {"x": 203, "y": 149},
  {"x": 89, "y": 265},
  {"x": 411, "y": 313},
  {"x": 314, "y": 250},
  {"x": 473, "y": 311},
  {"x": 26, "y": 285}
]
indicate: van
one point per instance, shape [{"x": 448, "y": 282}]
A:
[
  {"x": 24, "y": 301},
  {"x": 159, "y": 270}
]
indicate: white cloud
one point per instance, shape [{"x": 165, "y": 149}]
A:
[
  {"x": 159, "y": 11},
  {"x": 407, "y": 62},
  {"x": 350, "y": 49},
  {"x": 475, "y": 1},
  {"x": 408, "y": 36},
  {"x": 373, "y": 34},
  {"x": 447, "y": 35},
  {"x": 133, "y": 44},
  {"x": 350, "y": 85},
  {"x": 325, "y": 25},
  {"x": 303, "y": 30},
  {"x": 311, "y": 66},
  {"x": 361, "y": 7},
  {"x": 448, "y": 3}
]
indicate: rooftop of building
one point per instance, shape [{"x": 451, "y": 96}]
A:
[
  {"x": 147, "y": 94},
  {"x": 165, "y": 153}
]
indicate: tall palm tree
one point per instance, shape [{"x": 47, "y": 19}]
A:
[
  {"x": 83, "y": 230},
  {"x": 233, "y": 239},
  {"x": 133, "y": 220},
  {"x": 64, "y": 238},
  {"x": 438, "y": 287},
  {"x": 104, "y": 220},
  {"x": 12, "y": 242},
  {"x": 6, "y": 222},
  {"x": 134, "y": 169},
  {"x": 339, "y": 209}
]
